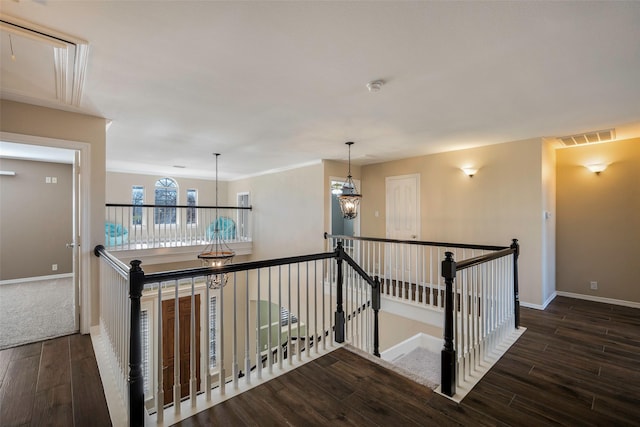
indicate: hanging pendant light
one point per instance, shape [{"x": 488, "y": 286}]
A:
[
  {"x": 217, "y": 253},
  {"x": 349, "y": 199}
]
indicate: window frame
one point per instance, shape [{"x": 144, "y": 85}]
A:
[
  {"x": 143, "y": 219},
  {"x": 172, "y": 211}
]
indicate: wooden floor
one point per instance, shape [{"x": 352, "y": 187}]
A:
[
  {"x": 578, "y": 364},
  {"x": 52, "y": 383}
]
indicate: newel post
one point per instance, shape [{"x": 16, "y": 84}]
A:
[
  {"x": 136, "y": 381},
  {"x": 339, "y": 315},
  {"x": 375, "y": 304},
  {"x": 448, "y": 354},
  {"x": 516, "y": 253}
]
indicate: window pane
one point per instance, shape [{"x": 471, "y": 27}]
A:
[
  {"x": 192, "y": 216},
  {"x": 166, "y": 194},
  {"x": 212, "y": 333},
  {"x": 243, "y": 216},
  {"x": 144, "y": 332},
  {"x": 137, "y": 198}
]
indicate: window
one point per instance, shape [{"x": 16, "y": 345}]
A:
[
  {"x": 243, "y": 216},
  {"x": 192, "y": 213},
  {"x": 144, "y": 332},
  {"x": 166, "y": 195},
  {"x": 212, "y": 332},
  {"x": 137, "y": 198}
]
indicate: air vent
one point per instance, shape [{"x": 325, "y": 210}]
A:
[{"x": 588, "y": 138}]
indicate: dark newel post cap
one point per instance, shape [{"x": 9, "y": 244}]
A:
[
  {"x": 515, "y": 245},
  {"x": 135, "y": 265},
  {"x": 448, "y": 266}
]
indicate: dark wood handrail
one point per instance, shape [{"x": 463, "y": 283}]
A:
[
  {"x": 417, "y": 242},
  {"x": 128, "y": 205},
  {"x": 483, "y": 258}
]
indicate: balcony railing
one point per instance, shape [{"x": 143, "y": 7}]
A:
[
  {"x": 409, "y": 270},
  {"x": 476, "y": 297},
  {"x": 173, "y": 350},
  {"x": 177, "y": 345},
  {"x": 130, "y": 226}
]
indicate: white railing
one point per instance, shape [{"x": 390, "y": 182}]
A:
[
  {"x": 481, "y": 315},
  {"x": 152, "y": 226},
  {"x": 115, "y": 309},
  {"x": 485, "y": 314},
  {"x": 270, "y": 317},
  {"x": 409, "y": 271}
]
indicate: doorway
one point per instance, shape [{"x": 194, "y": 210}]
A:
[
  {"x": 339, "y": 225},
  {"x": 39, "y": 296},
  {"x": 168, "y": 349},
  {"x": 403, "y": 222}
]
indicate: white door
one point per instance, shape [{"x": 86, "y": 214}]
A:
[{"x": 403, "y": 223}]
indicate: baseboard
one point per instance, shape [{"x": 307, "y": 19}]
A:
[
  {"x": 35, "y": 279},
  {"x": 613, "y": 301},
  {"x": 538, "y": 306}
]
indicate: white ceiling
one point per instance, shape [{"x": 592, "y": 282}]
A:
[{"x": 272, "y": 85}]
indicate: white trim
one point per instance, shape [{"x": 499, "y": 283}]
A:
[
  {"x": 115, "y": 404},
  {"x": 604, "y": 300},
  {"x": 86, "y": 249},
  {"x": 35, "y": 279},
  {"x": 534, "y": 306}
]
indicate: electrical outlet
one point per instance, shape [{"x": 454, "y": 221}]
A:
[
  {"x": 54, "y": 179},
  {"x": 54, "y": 267},
  {"x": 594, "y": 286}
]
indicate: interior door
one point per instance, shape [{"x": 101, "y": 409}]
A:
[
  {"x": 168, "y": 322},
  {"x": 403, "y": 223}
]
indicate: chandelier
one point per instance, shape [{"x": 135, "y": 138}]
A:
[
  {"x": 217, "y": 253},
  {"x": 349, "y": 199}
]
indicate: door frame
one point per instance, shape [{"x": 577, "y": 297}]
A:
[
  {"x": 387, "y": 206},
  {"x": 356, "y": 221},
  {"x": 85, "y": 250},
  {"x": 391, "y": 248}
]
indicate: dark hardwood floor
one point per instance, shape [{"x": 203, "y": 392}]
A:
[
  {"x": 52, "y": 383},
  {"x": 578, "y": 364}
]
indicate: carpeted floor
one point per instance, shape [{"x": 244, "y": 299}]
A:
[
  {"x": 419, "y": 365},
  {"x": 423, "y": 364},
  {"x": 35, "y": 311}
]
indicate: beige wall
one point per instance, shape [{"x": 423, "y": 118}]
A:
[
  {"x": 599, "y": 220},
  {"x": 504, "y": 200},
  {"x": 36, "y": 219},
  {"x": 288, "y": 207},
  {"x": 119, "y": 186},
  {"x": 34, "y": 121}
]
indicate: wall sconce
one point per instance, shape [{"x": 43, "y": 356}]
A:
[
  {"x": 469, "y": 171},
  {"x": 596, "y": 167}
]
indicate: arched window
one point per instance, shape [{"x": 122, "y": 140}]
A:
[{"x": 166, "y": 194}]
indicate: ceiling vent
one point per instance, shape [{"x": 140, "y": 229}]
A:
[{"x": 588, "y": 138}]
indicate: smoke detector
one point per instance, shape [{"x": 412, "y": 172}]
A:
[{"x": 375, "y": 85}]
